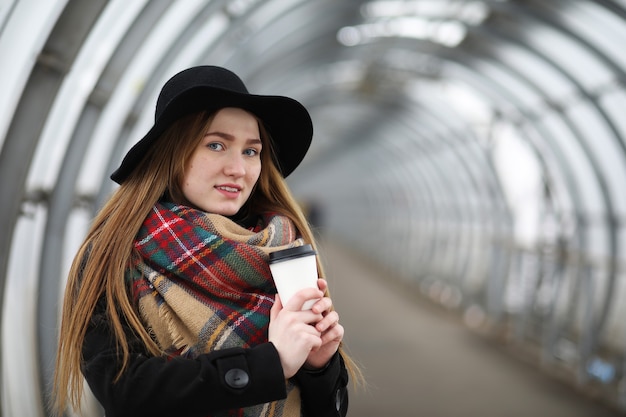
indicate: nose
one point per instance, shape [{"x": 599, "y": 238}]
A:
[{"x": 235, "y": 166}]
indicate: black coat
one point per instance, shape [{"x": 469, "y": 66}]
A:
[{"x": 220, "y": 380}]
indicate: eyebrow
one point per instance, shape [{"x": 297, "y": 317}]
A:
[{"x": 230, "y": 137}]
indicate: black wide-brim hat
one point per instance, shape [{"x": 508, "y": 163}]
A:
[{"x": 211, "y": 88}]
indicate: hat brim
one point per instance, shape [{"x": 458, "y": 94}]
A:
[{"x": 286, "y": 120}]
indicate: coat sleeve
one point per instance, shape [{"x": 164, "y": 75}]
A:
[
  {"x": 158, "y": 386},
  {"x": 324, "y": 393}
]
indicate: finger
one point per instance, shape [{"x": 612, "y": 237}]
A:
[
  {"x": 278, "y": 305},
  {"x": 322, "y": 284},
  {"x": 323, "y": 305},
  {"x": 330, "y": 320},
  {"x": 307, "y": 336},
  {"x": 306, "y": 317},
  {"x": 333, "y": 335}
]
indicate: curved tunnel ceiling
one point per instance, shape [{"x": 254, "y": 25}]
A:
[{"x": 481, "y": 141}]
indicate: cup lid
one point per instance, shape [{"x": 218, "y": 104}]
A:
[{"x": 290, "y": 253}]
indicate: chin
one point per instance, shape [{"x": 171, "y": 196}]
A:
[{"x": 226, "y": 212}]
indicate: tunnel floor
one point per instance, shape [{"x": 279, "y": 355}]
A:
[{"x": 419, "y": 360}]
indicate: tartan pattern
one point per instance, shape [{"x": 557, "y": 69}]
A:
[{"x": 203, "y": 283}]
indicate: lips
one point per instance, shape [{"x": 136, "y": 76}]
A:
[{"x": 228, "y": 189}]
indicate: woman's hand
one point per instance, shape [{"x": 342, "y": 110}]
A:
[
  {"x": 293, "y": 330},
  {"x": 330, "y": 330}
]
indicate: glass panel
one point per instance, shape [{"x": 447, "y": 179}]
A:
[
  {"x": 551, "y": 82},
  {"x": 573, "y": 58},
  {"x": 610, "y": 158},
  {"x": 79, "y": 221},
  {"x": 615, "y": 333},
  {"x": 130, "y": 86},
  {"x": 526, "y": 96},
  {"x": 521, "y": 178},
  {"x": 598, "y": 244},
  {"x": 614, "y": 103},
  {"x": 23, "y": 36},
  {"x": 604, "y": 29},
  {"x": 78, "y": 85},
  {"x": 469, "y": 105},
  {"x": 558, "y": 172},
  {"x": 584, "y": 177},
  {"x": 5, "y": 9},
  {"x": 270, "y": 11},
  {"x": 19, "y": 340}
]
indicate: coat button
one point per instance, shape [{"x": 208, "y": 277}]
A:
[
  {"x": 338, "y": 400},
  {"x": 236, "y": 378}
]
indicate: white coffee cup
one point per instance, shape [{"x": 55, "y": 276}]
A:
[{"x": 294, "y": 269}]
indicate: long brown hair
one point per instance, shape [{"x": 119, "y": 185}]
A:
[{"x": 99, "y": 266}]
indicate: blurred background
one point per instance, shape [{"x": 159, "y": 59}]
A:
[{"x": 467, "y": 180}]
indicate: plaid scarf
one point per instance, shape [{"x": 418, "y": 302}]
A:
[{"x": 203, "y": 283}]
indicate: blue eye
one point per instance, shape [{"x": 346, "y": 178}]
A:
[
  {"x": 251, "y": 152},
  {"x": 215, "y": 146}
]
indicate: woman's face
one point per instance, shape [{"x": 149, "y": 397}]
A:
[{"x": 226, "y": 164}]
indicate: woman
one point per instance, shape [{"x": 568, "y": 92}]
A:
[{"x": 170, "y": 309}]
